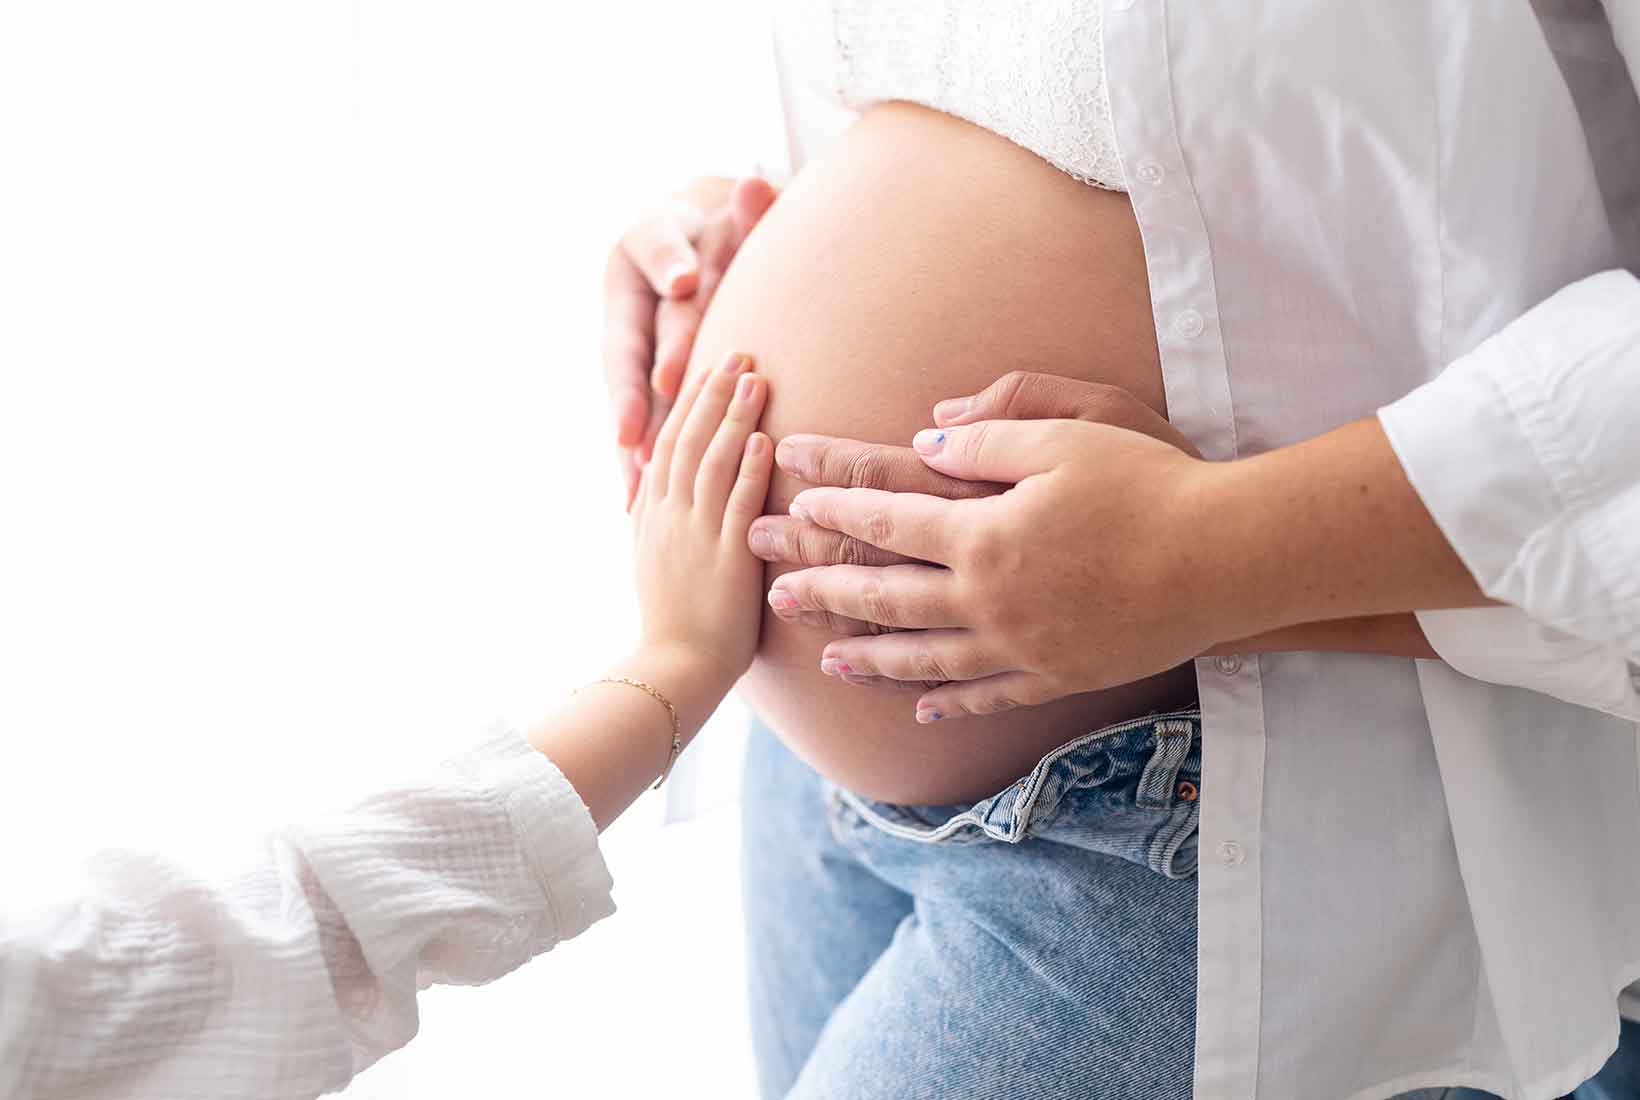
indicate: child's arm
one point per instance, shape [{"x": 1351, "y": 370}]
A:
[
  {"x": 699, "y": 589},
  {"x": 284, "y": 980}
]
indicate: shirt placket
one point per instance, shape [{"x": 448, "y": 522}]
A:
[{"x": 1196, "y": 378}]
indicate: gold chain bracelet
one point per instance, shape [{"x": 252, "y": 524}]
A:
[{"x": 671, "y": 712}]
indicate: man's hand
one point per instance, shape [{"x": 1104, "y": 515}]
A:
[
  {"x": 659, "y": 280},
  {"x": 850, "y": 464}
]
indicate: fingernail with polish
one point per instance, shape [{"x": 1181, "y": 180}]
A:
[
  {"x": 781, "y": 600},
  {"x": 929, "y": 441},
  {"x": 951, "y": 408},
  {"x": 927, "y": 716},
  {"x": 675, "y": 274},
  {"x": 831, "y": 666}
]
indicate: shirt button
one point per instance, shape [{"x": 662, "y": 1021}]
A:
[
  {"x": 1230, "y": 853},
  {"x": 1150, "y": 172},
  {"x": 1189, "y": 324},
  {"x": 1229, "y": 664}
]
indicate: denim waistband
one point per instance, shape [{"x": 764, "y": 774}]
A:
[{"x": 1131, "y": 790}]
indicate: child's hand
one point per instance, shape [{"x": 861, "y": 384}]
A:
[{"x": 699, "y": 588}]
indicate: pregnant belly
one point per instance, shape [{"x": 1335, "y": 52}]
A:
[{"x": 919, "y": 258}]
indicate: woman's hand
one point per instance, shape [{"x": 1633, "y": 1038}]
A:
[
  {"x": 660, "y": 278},
  {"x": 698, "y": 584}
]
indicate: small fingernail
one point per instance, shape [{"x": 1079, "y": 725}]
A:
[
  {"x": 756, "y": 444},
  {"x": 672, "y": 276},
  {"x": 781, "y": 600},
  {"x": 762, "y": 544},
  {"x": 952, "y": 408},
  {"x": 731, "y": 364},
  {"x": 746, "y": 387},
  {"x": 928, "y": 441},
  {"x": 792, "y": 457},
  {"x": 799, "y": 510},
  {"x": 927, "y": 716}
]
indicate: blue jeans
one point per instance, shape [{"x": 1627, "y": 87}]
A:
[{"x": 1039, "y": 943}]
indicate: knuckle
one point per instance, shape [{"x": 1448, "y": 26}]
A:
[
  {"x": 851, "y": 551},
  {"x": 878, "y": 527},
  {"x": 927, "y": 666},
  {"x": 809, "y": 547},
  {"x": 1011, "y": 389},
  {"x": 875, "y": 602},
  {"x": 861, "y": 468},
  {"x": 971, "y": 442},
  {"x": 1104, "y": 404}
]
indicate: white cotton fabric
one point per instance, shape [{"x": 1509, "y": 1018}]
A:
[
  {"x": 1034, "y": 73},
  {"x": 289, "y": 979},
  {"x": 1413, "y": 873}
]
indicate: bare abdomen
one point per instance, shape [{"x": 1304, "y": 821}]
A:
[{"x": 919, "y": 258}]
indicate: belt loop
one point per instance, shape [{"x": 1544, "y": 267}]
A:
[{"x": 1173, "y": 737}]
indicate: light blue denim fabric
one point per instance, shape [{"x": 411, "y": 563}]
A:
[{"x": 1039, "y": 943}]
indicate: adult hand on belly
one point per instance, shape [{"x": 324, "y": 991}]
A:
[
  {"x": 850, "y": 535},
  {"x": 660, "y": 277},
  {"x": 1112, "y": 557},
  {"x": 849, "y": 463}
]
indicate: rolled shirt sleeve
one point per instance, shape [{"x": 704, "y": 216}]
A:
[
  {"x": 287, "y": 979},
  {"x": 1527, "y": 453}
]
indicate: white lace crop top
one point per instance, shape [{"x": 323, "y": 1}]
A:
[{"x": 1032, "y": 71}]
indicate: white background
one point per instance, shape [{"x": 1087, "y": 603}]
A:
[{"x": 305, "y": 468}]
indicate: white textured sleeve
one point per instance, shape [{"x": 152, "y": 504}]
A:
[
  {"x": 1527, "y": 454},
  {"x": 290, "y": 978}
]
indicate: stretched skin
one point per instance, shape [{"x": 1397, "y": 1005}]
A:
[{"x": 920, "y": 257}]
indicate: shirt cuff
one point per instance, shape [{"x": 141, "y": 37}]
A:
[
  {"x": 1526, "y": 455},
  {"x": 553, "y": 826},
  {"x": 1502, "y": 645}
]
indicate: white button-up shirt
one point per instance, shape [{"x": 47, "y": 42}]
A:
[{"x": 1417, "y": 873}]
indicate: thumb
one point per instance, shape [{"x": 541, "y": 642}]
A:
[
  {"x": 1000, "y": 450},
  {"x": 1028, "y": 395},
  {"x": 1020, "y": 395}
]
